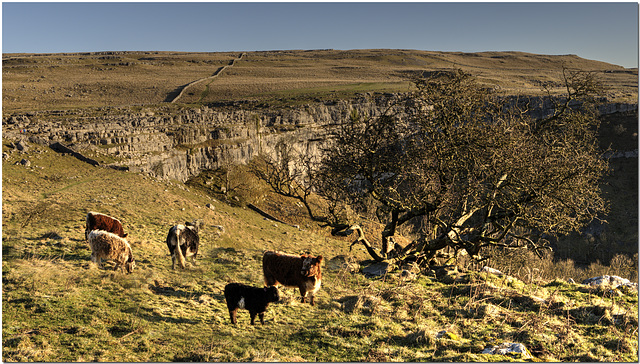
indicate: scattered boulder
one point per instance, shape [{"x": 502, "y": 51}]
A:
[
  {"x": 365, "y": 303},
  {"x": 376, "y": 269},
  {"x": 24, "y": 162},
  {"x": 609, "y": 282},
  {"x": 509, "y": 349},
  {"x": 343, "y": 262},
  {"x": 21, "y": 145},
  {"x": 219, "y": 227},
  {"x": 408, "y": 275},
  {"x": 210, "y": 207},
  {"x": 492, "y": 271}
]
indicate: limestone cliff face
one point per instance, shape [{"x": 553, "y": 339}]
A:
[{"x": 181, "y": 145}]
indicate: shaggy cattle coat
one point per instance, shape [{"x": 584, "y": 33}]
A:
[
  {"x": 108, "y": 246},
  {"x": 302, "y": 271},
  {"x": 187, "y": 238},
  {"x": 98, "y": 221},
  {"x": 254, "y": 299}
]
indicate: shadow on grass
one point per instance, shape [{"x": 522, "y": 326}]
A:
[{"x": 170, "y": 291}]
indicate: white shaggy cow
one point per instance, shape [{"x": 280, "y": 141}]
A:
[{"x": 109, "y": 246}]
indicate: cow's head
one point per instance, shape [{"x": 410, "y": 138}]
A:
[
  {"x": 130, "y": 264},
  {"x": 272, "y": 294},
  {"x": 311, "y": 265},
  {"x": 196, "y": 225}
]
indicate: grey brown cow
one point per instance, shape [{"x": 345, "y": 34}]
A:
[{"x": 187, "y": 239}]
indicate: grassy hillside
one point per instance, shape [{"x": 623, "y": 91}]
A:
[
  {"x": 58, "y": 306},
  {"x": 32, "y": 82}
]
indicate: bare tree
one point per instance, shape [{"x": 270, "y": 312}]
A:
[
  {"x": 477, "y": 170},
  {"x": 288, "y": 174}
]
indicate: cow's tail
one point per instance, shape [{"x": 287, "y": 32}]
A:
[{"x": 178, "y": 251}]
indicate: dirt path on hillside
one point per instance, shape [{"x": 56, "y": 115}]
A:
[{"x": 177, "y": 93}]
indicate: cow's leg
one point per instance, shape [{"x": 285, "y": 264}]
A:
[
  {"x": 312, "y": 300},
  {"x": 173, "y": 261},
  {"x": 232, "y": 314},
  {"x": 261, "y": 314},
  {"x": 303, "y": 293},
  {"x": 253, "y": 317},
  {"x": 96, "y": 260},
  {"x": 269, "y": 280}
]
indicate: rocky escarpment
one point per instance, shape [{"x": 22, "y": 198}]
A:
[
  {"x": 181, "y": 144},
  {"x": 178, "y": 146}
]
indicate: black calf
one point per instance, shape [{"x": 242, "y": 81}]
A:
[{"x": 253, "y": 299}]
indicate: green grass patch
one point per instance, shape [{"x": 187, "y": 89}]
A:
[{"x": 58, "y": 306}]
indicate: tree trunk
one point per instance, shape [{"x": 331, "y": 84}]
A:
[{"x": 365, "y": 242}]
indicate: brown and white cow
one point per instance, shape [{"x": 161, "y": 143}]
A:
[
  {"x": 98, "y": 221},
  {"x": 302, "y": 271}
]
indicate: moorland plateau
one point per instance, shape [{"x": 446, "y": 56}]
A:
[{"x": 168, "y": 123}]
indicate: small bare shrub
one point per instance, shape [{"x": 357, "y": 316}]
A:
[
  {"x": 619, "y": 129},
  {"x": 624, "y": 266},
  {"x": 526, "y": 266},
  {"x": 564, "y": 269}
]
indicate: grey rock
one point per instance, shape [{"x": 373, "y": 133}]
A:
[
  {"x": 492, "y": 271},
  {"x": 22, "y": 146},
  {"x": 509, "y": 348},
  {"x": 376, "y": 269},
  {"x": 209, "y": 138},
  {"x": 219, "y": 227},
  {"x": 610, "y": 281}
]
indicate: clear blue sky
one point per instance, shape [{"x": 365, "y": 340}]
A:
[{"x": 601, "y": 31}]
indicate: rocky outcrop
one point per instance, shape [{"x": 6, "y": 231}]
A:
[{"x": 181, "y": 144}]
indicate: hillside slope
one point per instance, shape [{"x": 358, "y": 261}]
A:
[
  {"x": 32, "y": 82},
  {"x": 57, "y": 306}
]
